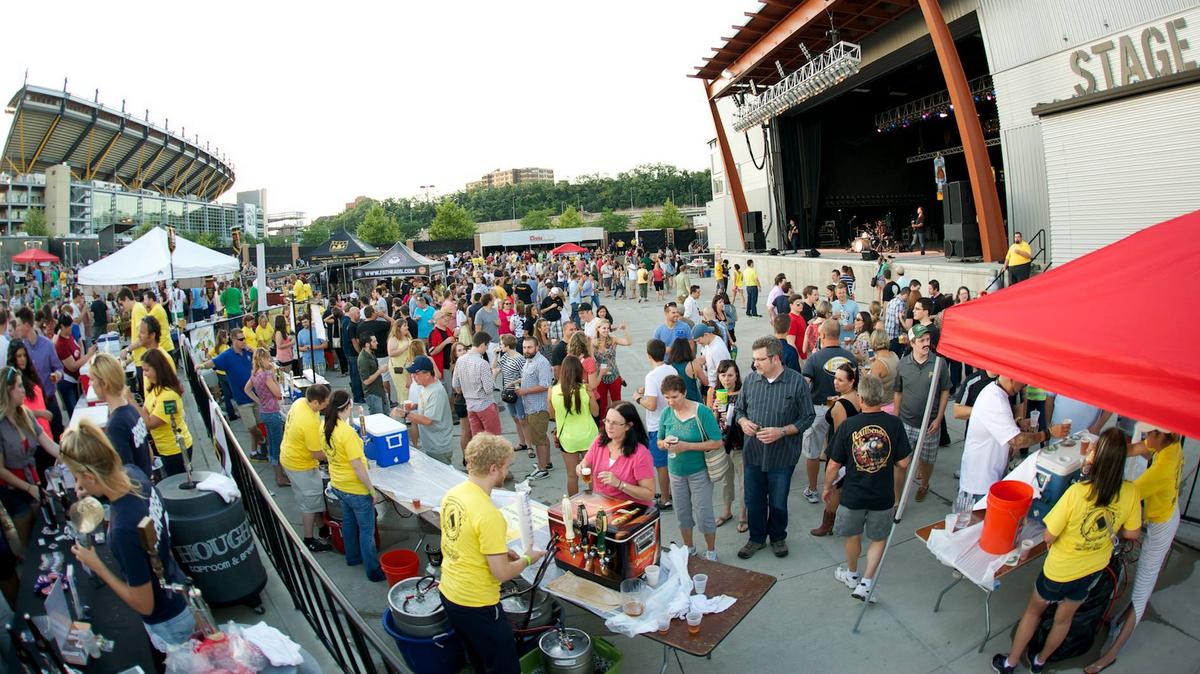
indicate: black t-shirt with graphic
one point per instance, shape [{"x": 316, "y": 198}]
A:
[{"x": 869, "y": 445}]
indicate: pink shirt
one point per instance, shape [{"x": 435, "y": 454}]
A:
[{"x": 629, "y": 469}]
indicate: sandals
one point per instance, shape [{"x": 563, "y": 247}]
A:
[
  {"x": 723, "y": 520},
  {"x": 743, "y": 527},
  {"x": 1092, "y": 669}
]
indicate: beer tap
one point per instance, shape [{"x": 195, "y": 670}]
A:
[
  {"x": 205, "y": 622},
  {"x": 581, "y": 523},
  {"x": 602, "y": 553},
  {"x": 172, "y": 409}
]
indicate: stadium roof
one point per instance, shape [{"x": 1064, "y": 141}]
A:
[
  {"x": 53, "y": 127},
  {"x": 775, "y": 30}
]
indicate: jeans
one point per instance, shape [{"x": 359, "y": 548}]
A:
[
  {"x": 918, "y": 237},
  {"x": 69, "y": 391},
  {"x": 374, "y": 404},
  {"x": 766, "y": 494},
  {"x": 226, "y": 395},
  {"x": 173, "y": 464},
  {"x": 172, "y": 631},
  {"x": 356, "y": 387},
  {"x": 752, "y": 300},
  {"x": 358, "y": 532},
  {"x": 487, "y": 637},
  {"x": 273, "y": 422}
]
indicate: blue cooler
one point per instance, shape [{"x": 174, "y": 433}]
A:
[
  {"x": 387, "y": 440},
  {"x": 1057, "y": 469}
]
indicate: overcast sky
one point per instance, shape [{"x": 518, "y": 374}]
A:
[{"x": 320, "y": 103}]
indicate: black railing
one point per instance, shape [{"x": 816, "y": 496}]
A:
[
  {"x": 1038, "y": 244},
  {"x": 334, "y": 618}
]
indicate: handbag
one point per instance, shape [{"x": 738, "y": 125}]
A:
[{"x": 509, "y": 395}]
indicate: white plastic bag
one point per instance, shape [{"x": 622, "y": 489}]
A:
[{"x": 670, "y": 597}]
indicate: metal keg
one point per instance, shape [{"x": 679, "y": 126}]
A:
[
  {"x": 213, "y": 542},
  {"x": 566, "y": 651},
  {"x": 416, "y": 607},
  {"x": 517, "y": 605}
]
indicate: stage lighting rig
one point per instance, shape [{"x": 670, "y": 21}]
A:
[{"x": 827, "y": 70}]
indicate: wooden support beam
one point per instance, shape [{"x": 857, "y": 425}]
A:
[{"x": 731, "y": 173}]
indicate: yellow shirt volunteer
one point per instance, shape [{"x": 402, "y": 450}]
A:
[
  {"x": 1084, "y": 530},
  {"x": 164, "y": 437},
  {"x": 345, "y": 447},
  {"x": 718, "y": 270},
  {"x": 750, "y": 276},
  {"x": 1159, "y": 485},
  {"x": 472, "y": 529},
  {"x": 135, "y": 319},
  {"x": 251, "y": 338},
  {"x": 301, "y": 436},
  {"x": 302, "y": 291},
  {"x": 1012, "y": 259},
  {"x": 213, "y": 353},
  {"x": 146, "y": 382},
  {"x": 264, "y": 334}
]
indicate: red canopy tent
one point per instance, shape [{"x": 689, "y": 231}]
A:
[
  {"x": 1101, "y": 329},
  {"x": 34, "y": 256},
  {"x": 567, "y": 249}
]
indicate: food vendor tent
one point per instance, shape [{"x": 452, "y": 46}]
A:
[
  {"x": 34, "y": 256},
  {"x": 568, "y": 249},
  {"x": 1108, "y": 329},
  {"x": 148, "y": 260},
  {"x": 400, "y": 260}
]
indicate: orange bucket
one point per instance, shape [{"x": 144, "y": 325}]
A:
[
  {"x": 399, "y": 564},
  {"x": 1007, "y": 503}
]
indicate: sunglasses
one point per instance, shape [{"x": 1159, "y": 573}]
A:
[{"x": 10, "y": 373}]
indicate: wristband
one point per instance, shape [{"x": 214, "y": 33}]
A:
[{"x": 528, "y": 560}]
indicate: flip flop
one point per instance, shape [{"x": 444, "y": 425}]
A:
[
  {"x": 1089, "y": 669},
  {"x": 743, "y": 527},
  {"x": 723, "y": 520}
]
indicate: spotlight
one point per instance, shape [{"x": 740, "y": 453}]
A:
[
  {"x": 753, "y": 88},
  {"x": 804, "y": 50},
  {"x": 780, "y": 70}
]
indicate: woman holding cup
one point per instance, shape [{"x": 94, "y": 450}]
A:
[
  {"x": 573, "y": 409},
  {"x": 728, "y": 470},
  {"x": 687, "y": 430},
  {"x": 605, "y": 349},
  {"x": 845, "y": 405},
  {"x": 620, "y": 462}
]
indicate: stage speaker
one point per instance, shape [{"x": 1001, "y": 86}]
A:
[
  {"x": 959, "y": 204},
  {"x": 870, "y": 254},
  {"x": 962, "y": 240},
  {"x": 812, "y": 252},
  {"x": 752, "y": 231}
]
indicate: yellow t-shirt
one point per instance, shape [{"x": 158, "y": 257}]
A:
[
  {"x": 737, "y": 278},
  {"x": 1159, "y": 485},
  {"x": 718, "y": 270},
  {"x": 250, "y": 337},
  {"x": 750, "y": 277},
  {"x": 1013, "y": 260},
  {"x": 643, "y": 276},
  {"x": 344, "y": 448},
  {"x": 472, "y": 529},
  {"x": 135, "y": 319},
  {"x": 264, "y": 335},
  {"x": 1084, "y": 531},
  {"x": 146, "y": 382},
  {"x": 302, "y": 435},
  {"x": 164, "y": 437},
  {"x": 499, "y": 293},
  {"x": 302, "y": 291}
]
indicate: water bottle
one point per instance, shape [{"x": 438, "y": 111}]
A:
[{"x": 963, "y": 505}]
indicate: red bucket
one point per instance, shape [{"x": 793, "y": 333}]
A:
[
  {"x": 1007, "y": 503},
  {"x": 399, "y": 564}
]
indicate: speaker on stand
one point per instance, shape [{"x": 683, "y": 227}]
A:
[
  {"x": 752, "y": 231},
  {"x": 961, "y": 230}
]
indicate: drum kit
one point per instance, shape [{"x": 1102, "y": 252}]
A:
[{"x": 875, "y": 238}]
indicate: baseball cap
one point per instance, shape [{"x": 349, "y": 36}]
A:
[
  {"x": 555, "y": 290},
  {"x": 1142, "y": 428},
  {"x": 422, "y": 364},
  {"x": 700, "y": 330},
  {"x": 917, "y": 331}
]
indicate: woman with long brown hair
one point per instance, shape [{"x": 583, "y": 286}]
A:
[
  {"x": 573, "y": 410},
  {"x": 20, "y": 435},
  {"x": 352, "y": 485},
  {"x": 264, "y": 390},
  {"x": 285, "y": 346},
  {"x": 163, "y": 412},
  {"x": 400, "y": 356},
  {"x": 1080, "y": 531},
  {"x": 35, "y": 397}
]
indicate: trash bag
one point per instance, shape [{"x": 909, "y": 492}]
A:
[{"x": 1088, "y": 620}]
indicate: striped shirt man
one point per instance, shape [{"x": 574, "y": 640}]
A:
[
  {"x": 473, "y": 376},
  {"x": 892, "y": 318},
  {"x": 782, "y": 402}
]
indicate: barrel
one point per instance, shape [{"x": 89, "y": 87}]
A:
[
  {"x": 438, "y": 654},
  {"x": 1007, "y": 503},
  {"x": 213, "y": 542}
]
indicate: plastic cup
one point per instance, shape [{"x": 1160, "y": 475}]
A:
[
  {"x": 416, "y": 503},
  {"x": 652, "y": 575},
  {"x": 632, "y": 601},
  {"x": 586, "y": 473},
  {"x": 951, "y": 520},
  {"x": 700, "y": 580},
  {"x": 693, "y": 621},
  {"x": 664, "y": 623},
  {"x": 1086, "y": 441},
  {"x": 722, "y": 396},
  {"x": 1034, "y": 417},
  {"x": 1026, "y": 548},
  {"x": 1067, "y": 423}
]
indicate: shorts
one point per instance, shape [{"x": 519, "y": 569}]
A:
[
  {"x": 875, "y": 524},
  {"x": 1073, "y": 590},
  {"x": 659, "y": 456},
  {"x": 816, "y": 437},
  {"x": 172, "y": 631},
  {"x": 17, "y": 503},
  {"x": 517, "y": 409},
  {"x": 248, "y": 413},
  {"x": 537, "y": 425},
  {"x": 929, "y": 451},
  {"x": 308, "y": 489},
  {"x": 658, "y": 285}
]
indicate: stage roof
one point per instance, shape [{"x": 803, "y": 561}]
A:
[
  {"x": 775, "y": 30},
  {"x": 52, "y": 127}
]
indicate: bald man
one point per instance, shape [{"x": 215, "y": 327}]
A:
[{"x": 819, "y": 370}]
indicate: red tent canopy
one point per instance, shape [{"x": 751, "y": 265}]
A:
[
  {"x": 568, "y": 248},
  {"x": 1103, "y": 329},
  {"x": 34, "y": 256}
]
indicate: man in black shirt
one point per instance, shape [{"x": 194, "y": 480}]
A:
[
  {"x": 551, "y": 310},
  {"x": 870, "y": 445},
  {"x": 524, "y": 291},
  {"x": 374, "y": 324},
  {"x": 559, "y": 354},
  {"x": 99, "y": 309},
  {"x": 809, "y": 310}
]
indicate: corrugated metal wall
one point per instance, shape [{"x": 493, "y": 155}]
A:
[
  {"x": 909, "y": 28},
  {"x": 1025, "y": 180},
  {"x": 1111, "y": 173}
]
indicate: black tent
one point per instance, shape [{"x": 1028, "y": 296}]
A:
[
  {"x": 400, "y": 260},
  {"x": 342, "y": 246}
]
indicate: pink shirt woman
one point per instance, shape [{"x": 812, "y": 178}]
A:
[
  {"x": 506, "y": 314},
  {"x": 617, "y": 472}
]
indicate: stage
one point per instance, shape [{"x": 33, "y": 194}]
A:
[{"x": 802, "y": 271}]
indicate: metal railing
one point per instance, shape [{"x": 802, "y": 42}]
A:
[
  {"x": 1038, "y": 243},
  {"x": 334, "y": 618}
]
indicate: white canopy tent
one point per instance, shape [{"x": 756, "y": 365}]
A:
[{"x": 147, "y": 260}]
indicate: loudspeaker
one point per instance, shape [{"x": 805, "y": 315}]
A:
[
  {"x": 962, "y": 240},
  {"x": 959, "y": 204},
  {"x": 752, "y": 231},
  {"x": 812, "y": 252},
  {"x": 870, "y": 254}
]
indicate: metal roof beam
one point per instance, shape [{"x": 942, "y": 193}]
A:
[
  {"x": 91, "y": 172},
  {"x": 129, "y": 155},
  {"x": 140, "y": 178},
  {"x": 771, "y": 41},
  {"x": 79, "y": 140},
  {"x": 169, "y": 164}
]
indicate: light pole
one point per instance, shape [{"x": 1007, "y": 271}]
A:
[{"x": 427, "y": 188}]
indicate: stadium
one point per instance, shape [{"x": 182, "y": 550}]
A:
[{"x": 100, "y": 173}]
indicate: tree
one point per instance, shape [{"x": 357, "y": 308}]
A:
[
  {"x": 614, "y": 222},
  {"x": 378, "y": 228},
  {"x": 277, "y": 240},
  {"x": 315, "y": 234},
  {"x": 537, "y": 219},
  {"x": 670, "y": 218},
  {"x": 649, "y": 220},
  {"x": 145, "y": 228},
  {"x": 451, "y": 222},
  {"x": 35, "y": 223},
  {"x": 569, "y": 218}
]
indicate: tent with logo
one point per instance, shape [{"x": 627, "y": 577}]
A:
[
  {"x": 341, "y": 252},
  {"x": 400, "y": 260},
  {"x": 1089, "y": 330}
]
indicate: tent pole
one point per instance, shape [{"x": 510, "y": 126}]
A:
[{"x": 914, "y": 458}]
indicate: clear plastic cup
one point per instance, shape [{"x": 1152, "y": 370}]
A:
[
  {"x": 951, "y": 520},
  {"x": 652, "y": 575},
  {"x": 700, "y": 580},
  {"x": 693, "y": 621},
  {"x": 632, "y": 600},
  {"x": 1026, "y": 548},
  {"x": 664, "y": 623}
]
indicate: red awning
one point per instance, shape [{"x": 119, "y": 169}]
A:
[
  {"x": 568, "y": 248},
  {"x": 1108, "y": 329},
  {"x": 34, "y": 256}
]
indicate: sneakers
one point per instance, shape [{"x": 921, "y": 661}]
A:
[
  {"x": 1034, "y": 666},
  {"x": 1000, "y": 664},
  {"x": 259, "y": 456},
  {"x": 539, "y": 474},
  {"x": 847, "y": 577},
  {"x": 710, "y": 555},
  {"x": 749, "y": 549},
  {"x": 811, "y": 496},
  {"x": 317, "y": 545},
  {"x": 862, "y": 590},
  {"x": 663, "y": 505},
  {"x": 780, "y": 548}
]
